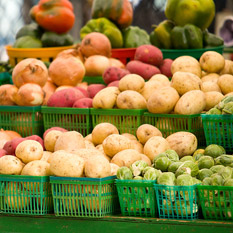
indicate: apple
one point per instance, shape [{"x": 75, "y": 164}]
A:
[
  {"x": 10, "y": 146},
  {"x": 83, "y": 103},
  {"x": 36, "y": 138},
  {"x": 114, "y": 84},
  {"x": 2, "y": 152},
  {"x": 114, "y": 73},
  {"x": 165, "y": 68},
  {"x": 93, "y": 89},
  {"x": 54, "y": 128},
  {"x": 84, "y": 91}
]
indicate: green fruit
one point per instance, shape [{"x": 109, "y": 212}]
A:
[
  {"x": 32, "y": 29},
  {"x": 52, "y": 39},
  {"x": 27, "y": 42}
]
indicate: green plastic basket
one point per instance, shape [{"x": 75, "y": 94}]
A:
[
  {"x": 5, "y": 78},
  {"x": 84, "y": 197},
  {"x": 94, "y": 80},
  {"x": 196, "y": 53},
  {"x": 137, "y": 197},
  {"x": 172, "y": 123},
  {"x": 26, "y": 195},
  {"x": 24, "y": 120},
  {"x": 77, "y": 119},
  {"x": 177, "y": 202},
  {"x": 126, "y": 120},
  {"x": 216, "y": 202},
  {"x": 219, "y": 130}
]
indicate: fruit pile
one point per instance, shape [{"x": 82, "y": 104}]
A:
[
  {"x": 53, "y": 20},
  {"x": 186, "y": 26}
]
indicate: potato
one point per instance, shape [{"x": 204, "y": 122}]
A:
[
  {"x": 101, "y": 131},
  {"x": 145, "y": 158},
  {"x": 163, "y": 100},
  {"x": 184, "y": 143},
  {"x": 126, "y": 157},
  {"x": 36, "y": 168},
  {"x": 185, "y": 81},
  {"x": 146, "y": 131},
  {"x": 114, "y": 169},
  {"x": 186, "y": 64},
  {"x": 132, "y": 82},
  {"x": 129, "y": 136},
  {"x": 101, "y": 149},
  {"x": 225, "y": 83},
  {"x": 29, "y": 150},
  {"x": 97, "y": 167},
  {"x": 149, "y": 54},
  {"x": 130, "y": 100},
  {"x": 65, "y": 97},
  {"x": 230, "y": 93},
  {"x": 69, "y": 141},
  {"x": 10, "y": 165},
  {"x": 212, "y": 62},
  {"x": 150, "y": 87},
  {"x": 210, "y": 86},
  {"x": 228, "y": 67},
  {"x": 106, "y": 98},
  {"x": 115, "y": 143},
  {"x": 212, "y": 98},
  {"x": 144, "y": 70},
  {"x": 88, "y": 153},
  {"x": 50, "y": 139},
  {"x": 88, "y": 137},
  {"x": 163, "y": 79},
  {"x": 192, "y": 102},
  {"x": 88, "y": 144},
  {"x": 154, "y": 146},
  {"x": 212, "y": 77},
  {"x": 46, "y": 156},
  {"x": 15, "y": 198},
  {"x": 136, "y": 145},
  {"x": 66, "y": 164}
]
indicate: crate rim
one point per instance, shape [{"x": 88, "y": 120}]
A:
[
  {"x": 216, "y": 116},
  {"x": 171, "y": 115},
  {"x": 19, "y": 108},
  {"x": 64, "y": 110},
  {"x": 214, "y": 187},
  {"x": 21, "y": 178},
  {"x": 55, "y": 179},
  {"x": 116, "y": 110},
  {"x": 11, "y": 49}
]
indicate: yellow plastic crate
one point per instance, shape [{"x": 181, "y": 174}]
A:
[{"x": 45, "y": 54}]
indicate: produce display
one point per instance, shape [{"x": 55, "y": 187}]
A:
[{"x": 146, "y": 166}]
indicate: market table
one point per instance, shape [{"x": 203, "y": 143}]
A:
[{"x": 112, "y": 224}]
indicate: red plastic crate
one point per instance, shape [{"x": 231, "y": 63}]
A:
[{"x": 124, "y": 55}]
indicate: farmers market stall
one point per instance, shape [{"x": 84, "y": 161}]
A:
[{"x": 123, "y": 132}]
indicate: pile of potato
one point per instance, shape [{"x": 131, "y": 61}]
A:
[
  {"x": 100, "y": 154},
  {"x": 195, "y": 86}
]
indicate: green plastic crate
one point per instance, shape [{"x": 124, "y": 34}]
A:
[
  {"x": 137, "y": 197},
  {"x": 77, "y": 119},
  {"x": 177, "y": 202},
  {"x": 126, "y": 120},
  {"x": 196, "y": 53},
  {"x": 172, "y": 123},
  {"x": 216, "y": 202},
  {"x": 84, "y": 197},
  {"x": 25, "y": 195},
  {"x": 219, "y": 130},
  {"x": 24, "y": 120}
]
